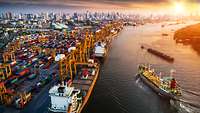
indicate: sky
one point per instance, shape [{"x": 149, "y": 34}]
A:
[{"x": 146, "y": 6}]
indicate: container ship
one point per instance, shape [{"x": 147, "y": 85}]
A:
[
  {"x": 100, "y": 51},
  {"x": 71, "y": 96},
  {"x": 101, "y": 47},
  {"x": 164, "y": 86}
]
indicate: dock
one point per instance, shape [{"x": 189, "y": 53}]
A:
[{"x": 35, "y": 59}]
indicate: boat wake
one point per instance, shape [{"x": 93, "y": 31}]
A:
[
  {"x": 191, "y": 92},
  {"x": 122, "y": 107},
  {"x": 189, "y": 106},
  {"x": 184, "y": 106},
  {"x": 117, "y": 100},
  {"x": 141, "y": 85}
]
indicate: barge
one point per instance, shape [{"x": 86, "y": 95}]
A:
[
  {"x": 159, "y": 85},
  {"x": 157, "y": 53},
  {"x": 161, "y": 55},
  {"x": 165, "y": 34}
]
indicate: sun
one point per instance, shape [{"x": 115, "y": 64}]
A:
[{"x": 179, "y": 8}]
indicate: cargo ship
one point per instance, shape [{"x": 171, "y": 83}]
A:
[
  {"x": 102, "y": 47},
  {"x": 162, "y": 86},
  {"x": 72, "y": 96},
  {"x": 100, "y": 51}
]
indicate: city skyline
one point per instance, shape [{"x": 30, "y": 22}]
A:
[{"x": 134, "y": 6}]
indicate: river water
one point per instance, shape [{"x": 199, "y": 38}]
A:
[{"x": 117, "y": 89}]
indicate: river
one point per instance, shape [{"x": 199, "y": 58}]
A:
[{"x": 117, "y": 89}]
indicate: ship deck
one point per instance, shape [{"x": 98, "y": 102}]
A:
[{"x": 85, "y": 85}]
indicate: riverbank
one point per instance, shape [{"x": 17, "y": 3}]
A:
[
  {"x": 189, "y": 35},
  {"x": 188, "y": 32}
]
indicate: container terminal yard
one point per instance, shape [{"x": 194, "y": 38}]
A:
[{"x": 69, "y": 59}]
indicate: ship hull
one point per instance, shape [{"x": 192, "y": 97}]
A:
[
  {"x": 76, "y": 83},
  {"x": 156, "y": 89},
  {"x": 56, "y": 110},
  {"x": 161, "y": 55},
  {"x": 100, "y": 58},
  {"x": 89, "y": 91}
]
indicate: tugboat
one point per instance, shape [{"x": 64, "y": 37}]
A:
[
  {"x": 166, "y": 86},
  {"x": 165, "y": 34},
  {"x": 71, "y": 96}
]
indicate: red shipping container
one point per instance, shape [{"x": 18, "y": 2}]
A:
[{"x": 25, "y": 71}]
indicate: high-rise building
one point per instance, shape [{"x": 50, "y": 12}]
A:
[
  {"x": 29, "y": 16},
  {"x": 8, "y": 15}
]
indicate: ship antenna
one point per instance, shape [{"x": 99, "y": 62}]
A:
[
  {"x": 172, "y": 71},
  {"x": 149, "y": 67},
  {"x": 160, "y": 75},
  {"x": 153, "y": 70}
]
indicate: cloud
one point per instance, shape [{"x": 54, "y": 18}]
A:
[
  {"x": 108, "y": 5},
  {"x": 87, "y": 3}
]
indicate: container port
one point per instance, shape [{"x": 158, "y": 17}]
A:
[{"x": 37, "y": 58}]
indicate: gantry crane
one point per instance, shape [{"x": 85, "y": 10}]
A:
[
  {"x": 14, "y": 46},
  {"x": 6, "y": 95},
  {"x": 42, "y": 39},
  {"x": 2, "y": 91},
  {"x": 101, "y": 34},
  {"x": 5, "y": 71},
  {"x": 2, "y": 75},
  {"x": 51, "y": 52},
  {"x": 37, "y": 49},
  {"x": 9, "y": 56},
  {"x": 24, "y": 98},
  {"x": 82, "y": 53},
  {"x": 65, "y": 66},
  {"x": 78, "y": 56}
]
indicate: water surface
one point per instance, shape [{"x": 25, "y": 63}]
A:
[{"x": 117, "y": 90}]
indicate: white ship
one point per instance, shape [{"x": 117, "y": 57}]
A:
[
  {"x": 73, "y": 96},
  {"x": 65, "y": 99},
  {"x": 100, "y": 50}
]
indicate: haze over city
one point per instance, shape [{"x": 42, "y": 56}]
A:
[{"x": 170, "y": 7}]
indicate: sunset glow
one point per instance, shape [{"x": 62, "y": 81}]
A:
[
  {"x": 169, "y": 7},
  {"x": 179, "y": 8}
]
